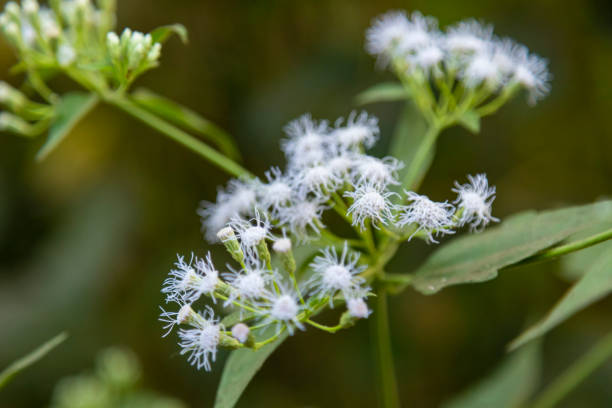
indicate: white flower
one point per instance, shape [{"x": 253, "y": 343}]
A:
[
  {"x": 281, "y": 308},
  {"x": 318, "y": 179},
  {"x": 422, "y": 30},
  {"x": 248, "y": 284},
  {"x": 282, "y": 245},
  {"x": 191, "y": 282},
  {"x": 372, "y": 203},
  {"x": 475, "y": 199},
  {"x": 48, "y": 23},
  {"x": 468, "y": 36},
  {"x": 302, "y": 216},
  {"x": 306, "y": 142},
  {"x": 238, "y": 199},
  {"x": 241, "y": 332},
  {"x": 432, "y": 217},
  {"x": 201, "y": 343},
  {"x": 342, "y": 164},
  {"x": 378, "y": 172},
  {"x": 277, "y": 192},
  {"x": 172, "y": 319},
  {"x": 428, "y": 58},
  {"x": 336, "y": 273},
  {"x": 252, "y": 232},
  {"x": 385, "y": 34},
  {"x": 482, "y": 68},
  {"x": 358, "y": 308},
  {"x": 360, "y": 130},
  {"x": 532, "y": 73}
]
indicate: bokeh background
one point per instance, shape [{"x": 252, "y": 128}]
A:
[{"x": 87, "y": 236}]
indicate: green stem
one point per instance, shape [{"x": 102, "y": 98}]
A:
[
  {"x": 178, "y": 135},
  {"x": 388, "y": 393},
  {"x": 575, "y": 374},
  {"x": 566, "y": 249},
  {"x": 415, "y": 172},
  {"x": 328, "y": 329}
]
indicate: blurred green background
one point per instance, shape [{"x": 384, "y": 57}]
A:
[{"x": 87, "y": 236}]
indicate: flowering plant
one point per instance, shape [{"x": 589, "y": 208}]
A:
[{"x": 292, "y": 258}]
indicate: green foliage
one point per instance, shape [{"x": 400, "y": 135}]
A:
[
  {"x": 509, "y": 386},
  {"x": 478, "y": 258},
  {"x": 163, "y": 33},
  {"x": 71, "y": 108},
  {"x": 383, "y": 92},
  {"x": 239, "y": 370},
  {"x": 595, "y": 284},
  {"x": 470, "y": 120},
  {"x": 34, "y": 356}
]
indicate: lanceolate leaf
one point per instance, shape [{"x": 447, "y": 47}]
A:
[
  {"x": 385, "y": 92},
  {"x": 593, "y": 286},
  {"x": 478, "y": 257},
  {"x": 239, "y": 370},
  {"x": 69, "y": 111},
  {"x": 471, "y": 121},
  {"x": 26, "y": 361},
  {"x": 161, "y": 34},
  {"x": 187, "y": 119},
  {"x": 509, "y": 386}
]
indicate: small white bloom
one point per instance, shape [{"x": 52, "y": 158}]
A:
[
  {"x": 422, "y": 31},
  {"x": 531, "y": 72},
  {"x": 66, "y": 55},
  {"x": 251, "y": 233},
  {"x": 342, "y": 164},
  {"x": 319, "y": 180},
  {"x": 191, "y": 280},
  {"x": 372, "y": 203},
  {"x": 281, "y": 308},
  {"x": 336, "y": 273},
  {"x": 302, "y": 216},
  {"x": 432, "y": 217},
  {"x": 282, "y": 245},
  {"x": 468, "y": 36},
  {"x": 225, "y": 234},
  {"x": 428, "y": 58},
  {"x": 30, "y": 6},
  {"x": 201, "y": 343},
  {"x": 277, "y": 192},
  {"x": 48, "y": 23},
  {"x": 358, "y": 308},
  {"x": 306, "y": 143},
  {"x": 28, "y": 33},
  {"x": 172, "y": 319},
  {"x": 476, "y": 199},
  {"x": 385, "y": 34},
  {"x": 482, "y": 68},
  {"x": 378, "y": 172},
  {"x": 360, "y": 130},
  {"x": 249, "y": 284},
  {"x": 208, "y": 278},
  {"x": 241, "y": 332}
]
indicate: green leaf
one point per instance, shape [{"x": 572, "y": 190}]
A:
[
  {"x": 593, "y": 286},
  {"x": 477, "y": 258},
  {"x": 186, "y": 118},
  {"x": 161, "y": 34},
  {"x": 509, "y": 386},
  {"x": 409, "y": 133},
  {"x": 384, "y": 92},
  {"x": 69, "y": 111},
  {"x": 470, "y": 120},
  {"x": 241, "y": 367},
  {"x": 11, "y": 371}
]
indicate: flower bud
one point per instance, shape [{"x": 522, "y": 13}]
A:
[
  {"x": 283, "y": 248},
  {"x": 30, "y": 6},
  {"x": 241, "y": 332},
  {"x": 227, "y": 236}
]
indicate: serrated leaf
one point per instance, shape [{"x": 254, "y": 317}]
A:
[
  {"x": 509, "y": 386},
  {"x": 384, "y": 92},
  {"x": 239, "y": 370},
  {"x": 186, "y": 118},
  {"x": 593, "y": 286},
  {"x": 477, "y": 258},
  {"x": 408, "y": 135},
  {"x": 161, "y": 34},
  {"x": 471, "y": 121},
  {"x": 69, "y": 111},
  {"x": 31, "y": 358}
]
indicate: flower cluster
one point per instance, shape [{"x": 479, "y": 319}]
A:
[
  {"x": 327, "y": 170},
  {"x": 467, "y": 59}
]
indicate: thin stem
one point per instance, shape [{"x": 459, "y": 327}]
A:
[
  {"x": 245, "y": 307},
  {"x": 179, "y": 136},
  {"x": 566, "y": 249},
  {"x": 388, "y": 394},
  {"x": 259, "y": 345},
  {"x": 328, "y": 329},
  {"x": 395, "y": 278},
  {"x": 575, "y": 374},
  {"x": 414, "y": 175}
]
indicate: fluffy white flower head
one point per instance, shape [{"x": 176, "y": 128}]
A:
[
  {"x": 360, "y": 130},
  {"x": 358, "y": 308},
  {"x": 386, "y": 33},
  {"x": 306, "y": 142},
  {"x": 379, "y": 172},
  {"x": 476, "y": 199},
  {"x": 336, "y": 272},
  {"x": 201, "y": 343},
  {"x": 371, "y": 203},
  {"x": 282, "y": 245},
  {"x": 241, "y": 332},
  {"x": 468, "y": 37},
  {"x": 252, "y": 232},
  {"x": 277, "y": 192},
  {"x": 432, "y": 217},
  {"x": 302, "y": 216}
]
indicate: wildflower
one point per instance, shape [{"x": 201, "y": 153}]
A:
[
  {"x": 191, "y": 282},
  {"x": 360, "y": 130},
  {"x": 378, "y": 172},
  {"x": 281, "y": 308},
  {"x": 336, "y": 273},
  {"x": 358, "y": 308},
  {"x": 302, "y": 216},
  {"x": 431, "y": 217},
  {"x": 386, "y": 33},
  {"x": 282, "y": 245},
  {"x": 532, "y": 73},
  {"x": 371, "y": 203},
  {"x": 475, "y": 199},
  {"x": 306, "y": 142},
  {"x": 277, "y": 192},
  {"x": 252, "y": 232},
  {"x": 468, "y": 37},
  {"x": 201, "y": 342},
  {"x": 248, "y": 284},
  {"x": 318, "y": 179},
  {"x": 185, "y": 314},
  {"x": 241, "y": 332},
  {"x": 428, "y": 57}
]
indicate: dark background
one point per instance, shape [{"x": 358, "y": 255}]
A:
[{"x": 87, "y": 236}]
